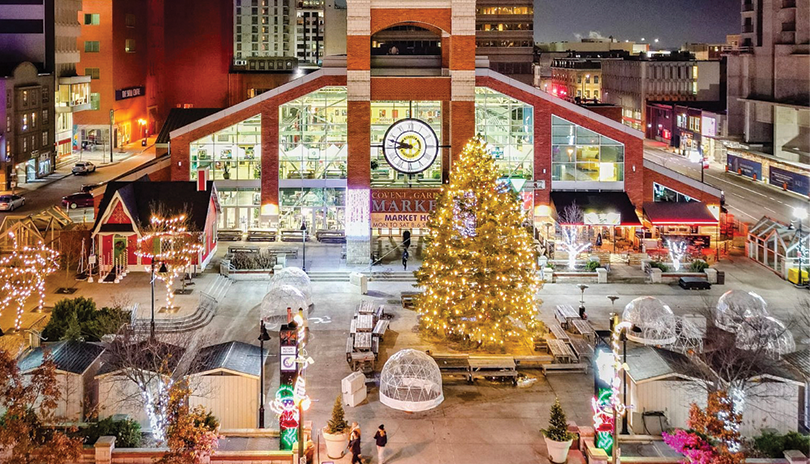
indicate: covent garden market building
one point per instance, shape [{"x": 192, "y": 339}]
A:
[{"x": 362, "y": 145}]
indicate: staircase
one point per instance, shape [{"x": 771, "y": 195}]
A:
[
  {"x": 204, "y": 314},
  {"x": 376, "y": 275},
  {"x": 329, "y": 276}
]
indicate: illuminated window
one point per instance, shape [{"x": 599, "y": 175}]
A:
[
  {"x": 582, "y": 155},
  {"x": 91, "y": 19},
  {"x": 129, "y": 46},
  {"x": 91, "y": 46},
  {"x": 508, "y": 128},
  {"x": 233, "y": 153},
  {"x": 694, "y": 72}
]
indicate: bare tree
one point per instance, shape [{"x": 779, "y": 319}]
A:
[
  {"x": 72, "y": 242},
  {"x": 570, "y": 220}
]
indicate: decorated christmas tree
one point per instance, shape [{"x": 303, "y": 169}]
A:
[{"x": 479, "y": 271}]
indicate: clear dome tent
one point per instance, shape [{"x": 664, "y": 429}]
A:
[
  {"x": 295, "y": 278},
  {"x": 653, "y": 321},
  {"x": 735, "y": 306},
  {"x": 765, "y": 333},
  {"x": 275, "y": 303},
  {"x": 411, "y": 381},
  {"x": 688, "y": 335}
]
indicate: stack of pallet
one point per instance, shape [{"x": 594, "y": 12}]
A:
[{"x": 353, "y": 388}]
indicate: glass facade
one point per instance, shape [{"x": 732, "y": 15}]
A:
[
  {"x": 320, "y": 208},
  {"x": 312, "y": 136},
  {"x": 508, "y": 127},
  {"x": 580, "y": 156},
  {"x": 240, "y": 208},
  {"x": 233, "y": 153},
  {"x": 386, "y": 113}
]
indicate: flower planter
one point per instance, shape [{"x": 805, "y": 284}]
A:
[
  {"x": 336, "y": 443},
  {"x": 558, "y": 450}
]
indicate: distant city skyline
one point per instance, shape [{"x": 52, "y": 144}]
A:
[{"x": 673, "y": 23}]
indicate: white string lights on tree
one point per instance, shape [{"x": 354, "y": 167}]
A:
[
  {"x": 177, "y": 249},
  {"x": 23, "y": 272}
]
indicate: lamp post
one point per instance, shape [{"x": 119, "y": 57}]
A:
[
  {"x": 162, "y": 271},
  {"x": 799, "y": 214},
  {"x": 304, "y": 244},
  {"x": 263, "y": 336},
  {"x": 582, "y": 288}
]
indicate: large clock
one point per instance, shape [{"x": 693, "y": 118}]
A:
[{"x": 410, "y": 146}]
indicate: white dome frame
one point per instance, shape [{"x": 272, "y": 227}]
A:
[
  {"x": 411, "y": 381},
  {"x": 653, "y": 321},
  {"x": 296, "y": 278},
  {"x": 275, "y": 303},
  {"x": 765, "y": 333},
  {"x": 735, "y": 306}
]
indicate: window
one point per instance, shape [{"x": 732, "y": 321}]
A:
[
  {"x": 91, "y": 19},
  {"x": 25, "y": 98},
  {"x": 231, "y": 153},
  {"x": 694, "y": 72},
  {"x": 91, "y": 46},
  {"x": 595, "y": 94},
  {"x": 45, "y": 139},
  {"x": 581, "y": 155},
  {"x": 508, "y": 128},
  {"x": 92, "y": 72},
  {"x": 33, "y": 120},
  {"x": 130, "y": 20},
  {"x": 588, "y": 79},
  {"x": 44, "y": 116},
  {"x": 595, "y": 79},
  {"x": 130, "y": 46},
  {"x": 46, "y": 94},
  {"x": 95, "y": 101}
]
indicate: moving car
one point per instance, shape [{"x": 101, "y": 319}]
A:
[
  {"x": 83, "y": 167},
  {"x": 11, "y": 202},
  {"x": 78, "y": 200}
]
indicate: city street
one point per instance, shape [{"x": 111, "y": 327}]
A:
[{"x": 746, "y": 199}]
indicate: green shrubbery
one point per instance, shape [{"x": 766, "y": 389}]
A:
[
  {"x": 78, "y": 319},
  {"x": 127, "y": 432},
  {"x": 698, "y": 265},
  {"x": 773, "y": 445},
  {"x": 591, "y": 266},
  {"x": 248, "y": 261},
  {"x": 659, "y": 265}
]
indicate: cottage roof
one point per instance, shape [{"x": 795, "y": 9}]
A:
[
  {"x": 69, "y": 356},
  {"x": 149, "y": 354},
  {"x": 232, "y": 356},
  {"x": 649, "y": 363},
  {"x": 179, "y": 117}
]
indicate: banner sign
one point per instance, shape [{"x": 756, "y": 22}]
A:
[
  {"x": 744, "y": 166},
  {"x": 130, "y": 92},
  {"x": 402, "y": 208},
  {"x": 793, "y": 181}
]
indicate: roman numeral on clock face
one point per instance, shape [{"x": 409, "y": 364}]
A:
[{"x": 410, "y": 146}]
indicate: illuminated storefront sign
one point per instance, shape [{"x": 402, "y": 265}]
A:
[{"x": 402, "y": 208}]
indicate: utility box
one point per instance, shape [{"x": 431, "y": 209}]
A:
[
  {"x": 353, "y": 387},
  {"x": 359, "y": 280}
]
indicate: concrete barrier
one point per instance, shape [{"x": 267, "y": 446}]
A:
[
  {"x": 359, "y": 280},
  {"x": 711, "y": 275},
  {"x": 601, "y": 275}
]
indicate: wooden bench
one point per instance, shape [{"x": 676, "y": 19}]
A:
[
  {"x": 454, "y": 366},
  {"x": 570, "y": 367},
  {"x": 532, "y": 362},
  {"x": 584, "y": 328},
  {"x": 407, "y": 299},
  {"x": 230, "y": 234},
  {"x": 289, "y": 252},
  {"x": 558, "y": 332},
  {"x": 582, "y": 348},
  {"x": 353, "y": 326},
  {"x": 349, "y": 348},
  {"x": 292, "y": 235},
  {"x": 564, "y": 314},
  {"x": 379, "y": 313},
  {"x": 261, "y": 235},
  {"x": 247, "y": 249},
  {"x": 561, "y": 351},
  {"x": 365, "y": 307},
  {"x": 694, "y": 283},
  {"x": 493, "y": 366},
  {"x": 330, "y": 236},
  {"x": 362, "y": 361},
  {"x": 362, "y": 341},
  {"x": 380, "y": 328}
]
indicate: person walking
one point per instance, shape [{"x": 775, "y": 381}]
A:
[
  {"x": 405, "y": 259},
  {"x": 354, "y": 447},
  {"x": 382, "y": 439}
]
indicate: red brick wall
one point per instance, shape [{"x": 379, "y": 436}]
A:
[
  {"x": 433, "y": 19},
  {"x": 358, "y": 139},
  {"x": 542, "y": 157},
  {"x": 358, "y": 53},
  {"x": 651, "y": 176},
  {"x": 270, "y": 145},
  {"x": 462, "y": 52},
  {"x": 410, "y": 88},
  {"x": 462, "y": 125}
]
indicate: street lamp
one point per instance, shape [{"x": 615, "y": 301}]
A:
[
  {"x": 799, "y": 214},
  {"x": 162, "y": 272},
  {"x": 263, "y": 337}
]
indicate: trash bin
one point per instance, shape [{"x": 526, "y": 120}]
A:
[{"x": 721, "y": 277}]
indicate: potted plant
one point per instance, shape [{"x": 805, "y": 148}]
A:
[
  {"x": 336, "y": 432},
  {"x": 558, "y": 438}
]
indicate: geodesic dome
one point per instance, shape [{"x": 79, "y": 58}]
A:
[
  {"x": 295, "y": 278},
  {"x": 765, "y": 333},
  {"x": 653, "y": 321},
  {"x": 275, "y": 303},
  {"x": 735, "y": 306},
  {"x": 411, "y": 381},
  {"x": 688, "y": 335}
]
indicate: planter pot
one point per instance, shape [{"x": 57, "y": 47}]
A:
[
  {"x": 336, "y": 443},
  {"x": 558, "y": 450}
]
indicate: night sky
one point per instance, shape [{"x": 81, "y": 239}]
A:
[{"x": 673, "y": 22}]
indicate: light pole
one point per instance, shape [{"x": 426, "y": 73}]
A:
[
  {"x": 304, "y": 244},
  {"x": 162, "y": 271},
  {"x": 582, "y": 288},
  {"x": 799, "y": 214},
  {"x": 263, "y": 336}
]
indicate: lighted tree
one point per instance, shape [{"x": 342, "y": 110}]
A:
[
  {"x": 570, "y": 219},
  {"x": 170, "y": 243},
  {"x": 191, "y": 434},
  {"x": 28, "y": 401},
  {"x": 677, "y": 250},
  {"x": 479, "y": 273},
  {"x": 22, "y": 274},
  {"x": 714, "y": 434}
]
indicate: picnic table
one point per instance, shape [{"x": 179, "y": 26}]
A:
[
  {"x": 407, "y": 299},
  {"x": 365, "y": 323},
  {"x": 584, "y": 328},
  {"x": 362, "y": 341},
  {"x": 565, "y": 313},
  {"x": 493, "y": 366},
  {"x": 558, "y": 332},
  {"x": 561, "y": 351},
  {"x": 366, "y": 307},
  {"x": 582, "y": 348},
  {"x": 454, "y": 365}
]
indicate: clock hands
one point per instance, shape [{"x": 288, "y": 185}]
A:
[{"x": 406, "y": 146}]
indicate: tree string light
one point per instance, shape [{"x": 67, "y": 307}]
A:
[{"x": 23, "y": 273}]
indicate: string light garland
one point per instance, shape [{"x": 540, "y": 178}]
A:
[
  {"x": 176, "y": 248},
  {"x": 479, "y": 274},
  {"x": 23, "y": 273}
]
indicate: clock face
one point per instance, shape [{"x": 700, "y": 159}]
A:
[{"x": 410, "y": 146}]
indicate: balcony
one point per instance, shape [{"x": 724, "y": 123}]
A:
[
  {"x": 406, "y": 65},
  {"x": 73, "y": 94},
  {"x": 748, "y": 29},
  {"x": 747, "y": 7},
  {"x": 788, "y": 4}
]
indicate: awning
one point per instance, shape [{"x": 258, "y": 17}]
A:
[
  {"x": 693, "y": 213},
  {"x": 599, "y": 208}
]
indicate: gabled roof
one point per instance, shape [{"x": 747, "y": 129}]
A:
[
  {"x": 232, "y": 356},
  {"x": 800, "y": 360},
  {"x": 69, "y": 356},
  {"x": 150, "y": 355},
  {"x": 647, "y": 363},
  {"x": 139, "y": 197},
  {"x": 179, "y": 117}
]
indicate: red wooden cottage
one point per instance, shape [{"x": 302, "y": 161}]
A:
[{"x": 126, "y": 209}]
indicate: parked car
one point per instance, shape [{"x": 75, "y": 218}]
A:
[
  {"x": 78, "y": 200},
  {"x": 83, "y": 167},
  {"x": 11, "y": 202}
]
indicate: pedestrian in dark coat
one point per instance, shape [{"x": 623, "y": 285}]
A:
[
  {"x": 354, "y": 447},
  {"x": 382, "y": 439},
  {"x": 405, "y": 259}
]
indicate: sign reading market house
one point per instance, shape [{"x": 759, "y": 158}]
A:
[{"x": 402, "y": 208}]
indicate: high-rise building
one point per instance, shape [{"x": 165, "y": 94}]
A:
[
  {"x": 768, "y": 79},
  {"x": 309, "y": 32},
  {"x": 504, "y": 33},
  {"x": 573, "y": 78}
]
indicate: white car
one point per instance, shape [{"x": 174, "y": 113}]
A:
[
  {"x": 83, "y": 167},
  {"x": 11, "y": 202}
]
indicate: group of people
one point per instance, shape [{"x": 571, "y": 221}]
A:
[{"x": 380, "y": 438}]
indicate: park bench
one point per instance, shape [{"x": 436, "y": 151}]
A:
[
  {"x": 493, "y": 367},
  {"x": 375, "y": 345},
  {"x": 561, "y": 352},
  {"x": 261, "y": 235},
  {"x": 558, "y": 332},
  {"x": 407, "y": 299},
  {"x": 330, "y": 236},
  {"x": 365, "y": 307},
  {"x": 564, "y": 314},
  {"x": 380, "y": 328},
  {"x": 349, "y": 348},
  {"x": 288, "y": 252},
  {"x": 292, "y": 235},
  {"x": 582, "y": 348},
  {"x": 250, "y": 250},
  {"x": 230, "y": 234},
  {"x": 571, "y": 367},
  {"x": 454, "y": 366},
  {"x": 379, "y": 313},
  {"x": 584, "y": 328},
  {"x": 694, "y": 283}
]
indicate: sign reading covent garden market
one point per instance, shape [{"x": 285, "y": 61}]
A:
[{"x": 402, "y": 208}]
